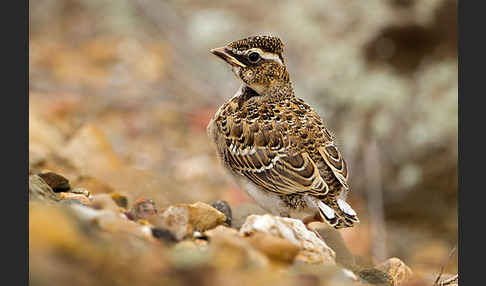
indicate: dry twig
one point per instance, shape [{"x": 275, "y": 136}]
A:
[
  {"x": 450, "y": 280},
  {"x": 454, "y": 280}
]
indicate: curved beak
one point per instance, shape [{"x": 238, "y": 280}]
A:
[{"x": 224, "y": 54}]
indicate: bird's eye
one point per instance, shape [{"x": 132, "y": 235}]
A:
[{"x": 254, "y": 57}]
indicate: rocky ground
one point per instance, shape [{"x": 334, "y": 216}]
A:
[{"x": 81, "y": 238}]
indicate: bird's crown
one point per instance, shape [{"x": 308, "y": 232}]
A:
[{"x": 269, "y": 44}]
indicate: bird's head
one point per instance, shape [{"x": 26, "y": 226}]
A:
[{"x": 258, "y": 61}]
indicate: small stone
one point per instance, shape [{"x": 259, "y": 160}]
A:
[
  {"x": 175, "y": 219},
  {"x": 204, "y": 217},
  {"x": 312, "y": 249},
  {"x": 275, "y": 248},
  {"x": 376, "y": 277},
  {"x": 225, "y": 208},
  {"x": 183, "y": 219},
  {"x": 57, "y": 182},
  {"x": 163, "y": 235},
  {"x": 69, "y": 196},
  {"x": 120, "y": 200},
  {"x": 143, "y": 208},
  {"x": 396, "y": 269},
  {"x": 81, "y": 191},
  {"x": 40, "y": 190}
]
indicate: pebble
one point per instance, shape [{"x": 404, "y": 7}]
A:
[
  {"x": 57, "y": 182},
  {"x": 225, "y": 208},
  {"x": 183, "y": 219},
  {"x": 312, "y": 249},
  {"x": 396, "y": 269},
  {"x": 163, "y": 235},
  {"x": 120, "y": 200},
  {"x": 275, "y": 248},
  {"x": 376, "y": 277},
  {"x": 204, "y": 216},
  {"x": 175, "y": 219},
  {"x": 142, "y": 208},
  {"x": 81, "y": 191}
]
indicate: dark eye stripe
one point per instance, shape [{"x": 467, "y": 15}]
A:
[{"x": 243, "y": 59}]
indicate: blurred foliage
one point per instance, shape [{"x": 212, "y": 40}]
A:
[{"x": 121, "y": 92}]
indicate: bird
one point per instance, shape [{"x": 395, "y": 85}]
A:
[{"x": 274, "y": 144}]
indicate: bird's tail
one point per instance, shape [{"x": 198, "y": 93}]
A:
[{"x": 337, "y": 213}]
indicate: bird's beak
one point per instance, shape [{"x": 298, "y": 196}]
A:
[{"x": 224, "y": 54}]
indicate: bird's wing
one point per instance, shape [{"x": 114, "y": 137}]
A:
[
  {"x": 335, "y": 161},
  {"x": 272, "y": 166}
]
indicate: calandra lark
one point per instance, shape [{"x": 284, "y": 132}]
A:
[{"x": 274, "y": 143}]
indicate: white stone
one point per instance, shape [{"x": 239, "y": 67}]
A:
[{"x": 313, "y": 249}]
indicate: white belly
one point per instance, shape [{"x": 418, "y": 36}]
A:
[
  {"x": 272, "y": 203},
  {"x": 269, "y": 201}
]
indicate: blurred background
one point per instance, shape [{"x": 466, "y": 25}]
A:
[{"x": 121, "y": 93}]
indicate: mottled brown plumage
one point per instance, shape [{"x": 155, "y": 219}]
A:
[{"x": 274, "y": 143}]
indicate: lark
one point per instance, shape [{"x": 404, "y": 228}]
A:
[{"x": 274, "y": 144}]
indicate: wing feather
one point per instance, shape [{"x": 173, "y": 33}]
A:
[
  {"x": 278, "y": 171},
  {"x": 335, "y": 161}
]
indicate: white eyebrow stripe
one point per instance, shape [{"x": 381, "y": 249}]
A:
[{"x": 272, "y": 57}]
